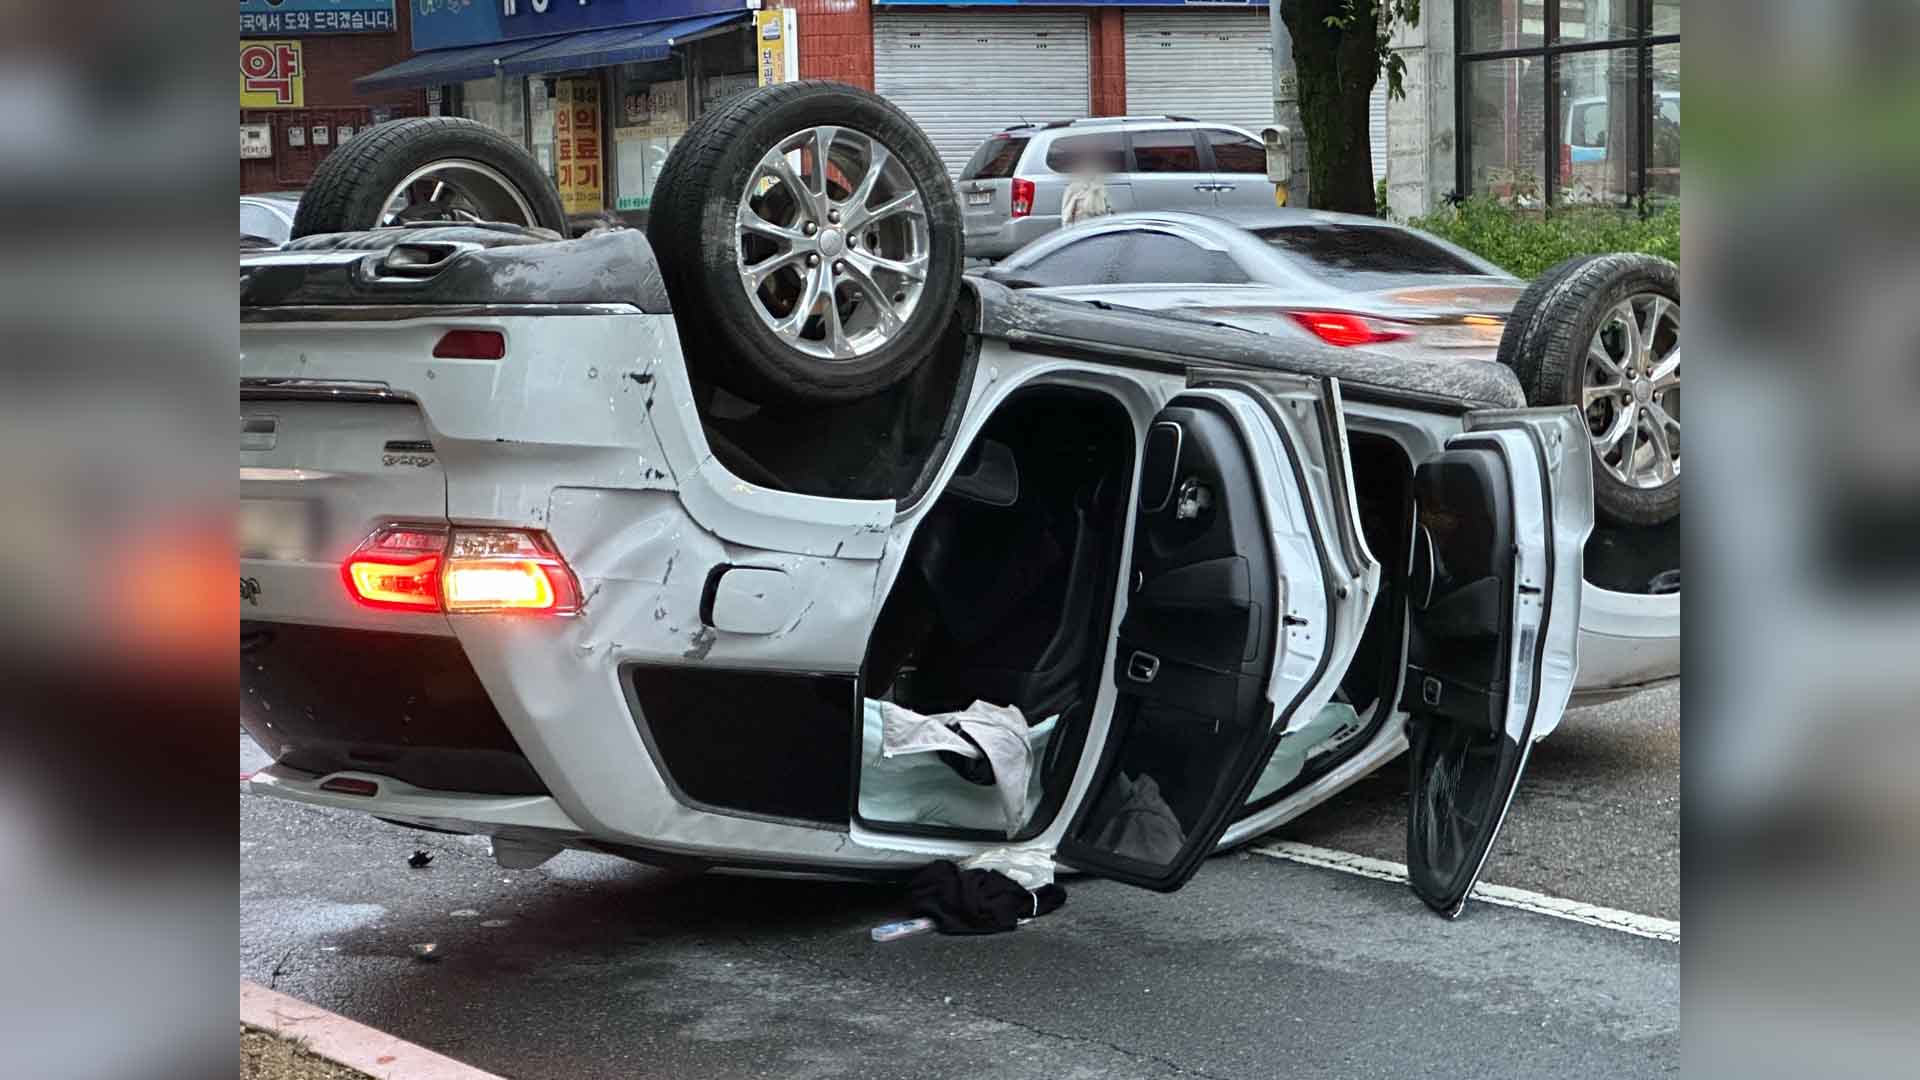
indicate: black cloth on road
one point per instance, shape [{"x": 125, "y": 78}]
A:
[{"x": 978, "y": 901}]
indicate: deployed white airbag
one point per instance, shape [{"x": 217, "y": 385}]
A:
[{"x": 904, "y": 782}]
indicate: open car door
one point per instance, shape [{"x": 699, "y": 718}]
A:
[
  {"x": 1502, "y": 514},
  {"x": 1246, "y": 596}
]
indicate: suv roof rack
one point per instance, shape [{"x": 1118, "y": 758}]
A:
[{"x": 1126, "y": 119}]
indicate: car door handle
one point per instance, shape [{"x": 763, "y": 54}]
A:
[
  {"x": 1224, "y": 187},
  {"x": 1205, "y": 187}
]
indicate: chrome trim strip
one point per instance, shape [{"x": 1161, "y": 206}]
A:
[{"x": 405, "y": 312}]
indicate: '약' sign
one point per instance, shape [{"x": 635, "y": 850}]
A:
[{"x": 272, "y": 75}]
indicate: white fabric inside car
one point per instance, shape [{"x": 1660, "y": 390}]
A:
[
  {"x": 903, "y": 782},
  {"x": 1291, "y": 755}
]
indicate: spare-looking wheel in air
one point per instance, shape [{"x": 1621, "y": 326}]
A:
[
  {"x": 428, "y": 169},
  {"x": 1603, "y": 334}
]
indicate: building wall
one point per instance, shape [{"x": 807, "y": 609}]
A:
[
  {"x": 836, "y": 40},
  {"x": 1108, "y": 42},
  {"x": 1421, "y": 127},
  {"x": 331, "y": 62}
]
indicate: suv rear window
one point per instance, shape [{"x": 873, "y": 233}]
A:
[
  {"x": 1354, "y": 250},
  {"x": 1103, "y": 153},
  {"x": 996, "y": 158}
]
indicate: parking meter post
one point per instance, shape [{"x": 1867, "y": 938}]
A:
[{"x": 1286, "y": 109}]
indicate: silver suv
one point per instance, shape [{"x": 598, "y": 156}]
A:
[{"x": 1011, "y": 189}]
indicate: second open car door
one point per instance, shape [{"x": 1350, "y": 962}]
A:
[
  {"x": 1502, "y": 514},
  {"x": 1248, "y": 590}
]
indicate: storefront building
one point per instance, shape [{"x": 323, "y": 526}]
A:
[
  {"x": 298, "y": 61},
  {"x": 597, "y": 92},
  {"x": 1539, "y": 104}
]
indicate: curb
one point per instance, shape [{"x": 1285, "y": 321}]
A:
[{"x": 345, "y": 1042}]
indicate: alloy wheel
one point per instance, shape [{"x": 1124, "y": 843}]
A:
[
  {"x": 456, "y": 190},
  {"x": 831, "y": 242},
  {"x": 1631, "y": 392}
]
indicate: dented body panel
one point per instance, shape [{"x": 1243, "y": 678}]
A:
[{"x": 587, "y": 431}]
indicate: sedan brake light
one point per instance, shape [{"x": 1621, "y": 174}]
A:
[
  {"x": 1347, "y": 330},
  {"x": 1022, "y": 197},
  {"x": 458, "y": 570}
]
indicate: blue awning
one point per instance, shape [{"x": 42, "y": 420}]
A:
[
  {"x": 621, "y": 45},
  {"x": 447, "y": 65}
]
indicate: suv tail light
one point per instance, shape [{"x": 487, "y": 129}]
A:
[
  {"x": 1022, "y": 197},
  {"x": 433, "y": 568},
  {"x": 1347, "y": 330}
]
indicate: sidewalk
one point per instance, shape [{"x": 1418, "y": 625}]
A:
[{"x": 346, "y": 1042}]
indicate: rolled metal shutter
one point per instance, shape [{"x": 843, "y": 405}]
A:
[
  {"x": 1209, "y": 65},
  {"x": 1377, "y": 126},
  {"x": 963, "y": 75}
]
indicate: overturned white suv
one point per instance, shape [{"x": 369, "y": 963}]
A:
[{"x": 636, "y": 543}]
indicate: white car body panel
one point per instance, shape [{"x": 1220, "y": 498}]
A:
[{"x": 614, "y": 465}]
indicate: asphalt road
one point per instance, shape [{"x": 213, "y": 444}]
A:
[{"x": 592, "y": 967}]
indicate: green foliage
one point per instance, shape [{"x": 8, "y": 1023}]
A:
[
  {"x": 1380, "y": 199},
  {"x": 1388, "y": 13},
  {"x": 1525, "y": 243}
]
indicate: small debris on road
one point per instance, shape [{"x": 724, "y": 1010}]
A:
[
  {"x": 419, "y": 859},
  {"x": 465, "y": 913},
  {"x": 426, "y": 951}
]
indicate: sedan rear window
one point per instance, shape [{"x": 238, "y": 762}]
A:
[
  {"x": 996, "y": 158},
  {"x": 1353, "y": 250}
]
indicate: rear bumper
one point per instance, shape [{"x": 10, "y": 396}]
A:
[
  {"x": 1009, "y": 237},
  {"x": 323, "y": 700}
]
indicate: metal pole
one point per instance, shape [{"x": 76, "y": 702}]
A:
[{"x": 1286, "y": 100}]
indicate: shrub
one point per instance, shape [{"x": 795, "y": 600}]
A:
[{"x": 1525, "y": 243}]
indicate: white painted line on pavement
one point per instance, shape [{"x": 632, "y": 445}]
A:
[{"x": 1627, "y": 922}]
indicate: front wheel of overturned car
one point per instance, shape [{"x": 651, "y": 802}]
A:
[
  {"x": 428, "y": 168},
  {"x": 1604, "y": 336},
  {"x": 811, "y": 243}
]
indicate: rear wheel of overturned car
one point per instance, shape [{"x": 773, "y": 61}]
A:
[
  {"x": 810, "y": 238},
  {"x": 428, "y": 168},
  {"x": 1603, "y": 334}
]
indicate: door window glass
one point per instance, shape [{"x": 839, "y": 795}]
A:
[
  {"x": 1092, "y": 261},
  {"x": 1235, "y": 153},
  {"x": 1083, "y": 153},
  {"x": 1165, "y": 152},
  {"x": 1161, "y": 257}
]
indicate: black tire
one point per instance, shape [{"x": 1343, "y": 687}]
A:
[
  {"x": 1523, "y": 320},
  {"x": 1546, "y": 344},
  {"x": 350, "y": 187},
  {"x": 694, "y": 231}
]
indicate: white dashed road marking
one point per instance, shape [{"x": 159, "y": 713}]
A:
[{"x": 1627, "y": 922}]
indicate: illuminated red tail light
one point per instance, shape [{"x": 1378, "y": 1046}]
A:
[
  {"x": 398, "y": 568},
  {"x": 432, "y": 568},
  {"x": 1022, "y": 197},
  {"x": 1346, "y": 330},
  {"x": 507, "y": 570},
  {"x": 471, "y": 345}
]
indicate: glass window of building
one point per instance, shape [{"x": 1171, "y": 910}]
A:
[
  {"x": 1570, "y": 102},
  {"x": 499, "y": 103},
  {"x": 649, "y": 116}
]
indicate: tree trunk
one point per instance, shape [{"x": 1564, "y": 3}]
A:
[{"x": 1337, "y": 69}]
